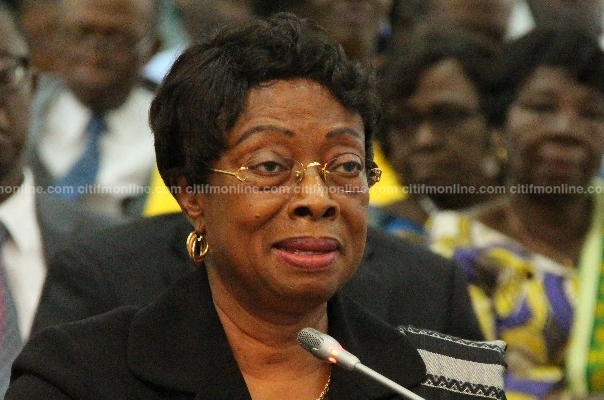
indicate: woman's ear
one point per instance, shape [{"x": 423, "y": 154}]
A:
[{"x": 191, "y": 203}]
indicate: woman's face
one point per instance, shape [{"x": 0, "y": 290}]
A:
[
  {"x": 439, "y": 137},
  {"x": 555, "y": 130},
  {"x": 282, "y": 251},
  {"x": 104, "y": 44}
]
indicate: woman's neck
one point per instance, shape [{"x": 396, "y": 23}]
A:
[
  {"x": 266, "y": 348},
  {"x": 553, "y": 227},
  {"x": 272, "y": 362}
]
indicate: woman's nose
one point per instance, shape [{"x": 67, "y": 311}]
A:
[{"x": 312, "y": 197}]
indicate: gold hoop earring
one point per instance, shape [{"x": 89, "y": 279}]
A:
[{"x": 197, "y": 246}]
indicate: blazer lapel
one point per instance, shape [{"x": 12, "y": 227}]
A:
[
  {"x": 177, "y": 342},
  {"x": 378, "y": 345},
  {"x": 371, "y": 273}
]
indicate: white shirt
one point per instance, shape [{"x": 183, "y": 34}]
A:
[
  {"x": 522, "y": 21},
  {"x": 127, "y": 156},
  {"x": 22, "y": 253},
  {"x": 159, "y": 65}
]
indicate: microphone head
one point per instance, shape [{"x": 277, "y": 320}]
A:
[
  {"x": 326, "y": 348},
  {"x": 310, "y": 339}
]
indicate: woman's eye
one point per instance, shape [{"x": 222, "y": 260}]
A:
[
  {"x": 351, "y": 167},
  {"x": 347, "y": 165},
  {"x": 594, "y": 115},
  {"x": 539, "y": 107},
  {"x": 269, "y": 167},
  {"x": 453, "y": 116}
]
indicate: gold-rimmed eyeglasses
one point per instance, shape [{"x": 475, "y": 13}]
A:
[
  {"x": 266, "y": 170},
  {"x": 13, "y": 71}
]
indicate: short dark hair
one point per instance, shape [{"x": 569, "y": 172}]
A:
[
  {"x": 569, "y": 47},
  {"x": 202, "y": 96},
  {"x": 428, "y": 46},
  {"x": 265, "y": 8}
]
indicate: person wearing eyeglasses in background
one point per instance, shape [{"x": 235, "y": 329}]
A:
[
  {"x": 264, "y": 134},
  {"x": 33, "y": 224},
  {"x": 90, "y": 142},
  {"x": 535, "y": 261},
  {"x": 435, "y": 132}
]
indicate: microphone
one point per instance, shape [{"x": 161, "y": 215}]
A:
[{"x": 327, "y": 349}]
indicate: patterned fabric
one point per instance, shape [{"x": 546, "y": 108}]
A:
[
  {"x": 523, "y": 298},
  {"x": 461, "y": 367},
  {"x": 585, "y": 356}
]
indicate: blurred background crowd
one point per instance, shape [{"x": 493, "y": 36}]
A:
[{"x": 490, "y": 99}]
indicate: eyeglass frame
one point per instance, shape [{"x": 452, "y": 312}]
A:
[
  {"x": 20, "y": 63},
  {"x": 374, "y": 173}
]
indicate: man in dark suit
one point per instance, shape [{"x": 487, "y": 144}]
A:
[
  {"x": 131, "y": 264},
  {"x": 94, "y": 106},
  {"x": 33, "y": 224}
]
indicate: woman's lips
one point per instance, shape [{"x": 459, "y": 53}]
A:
[
  {"x": 308, "y": 252},
  {"x": 560, "y": 159}
]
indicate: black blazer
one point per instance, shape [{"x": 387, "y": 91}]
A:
[
  {"x": 176, "y": 348},
  {"x": 60, "y": 221},
  {"x": 131, "y": 264}
]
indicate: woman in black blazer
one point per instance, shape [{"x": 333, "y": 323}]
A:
[{"x": 264, "y": 135}]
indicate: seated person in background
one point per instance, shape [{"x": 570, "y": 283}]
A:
[
  {"x": 436, "y": 133},
  {"x": 39, "y": 21},
  {"x": 33, "y": 225},
  {"x": 356, "y": 25},
  {"x": 198, "y": 18},
  {"x": 535, "y": 260},
  {"x": 588, "y": 14},
  {"x": 264, "y": 132},
  {"x": 491, "y": 18},
  {"x": 90, "y": 140}
]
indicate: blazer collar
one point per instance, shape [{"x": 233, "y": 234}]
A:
[{"x": 177, "y": 342}]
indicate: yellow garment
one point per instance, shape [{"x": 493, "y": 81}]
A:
[
  {"x": 160, "y": 200},
  {"x": 388, "y": 189}
]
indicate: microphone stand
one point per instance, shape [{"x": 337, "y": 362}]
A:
[{"x": 387, "y": 382}]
